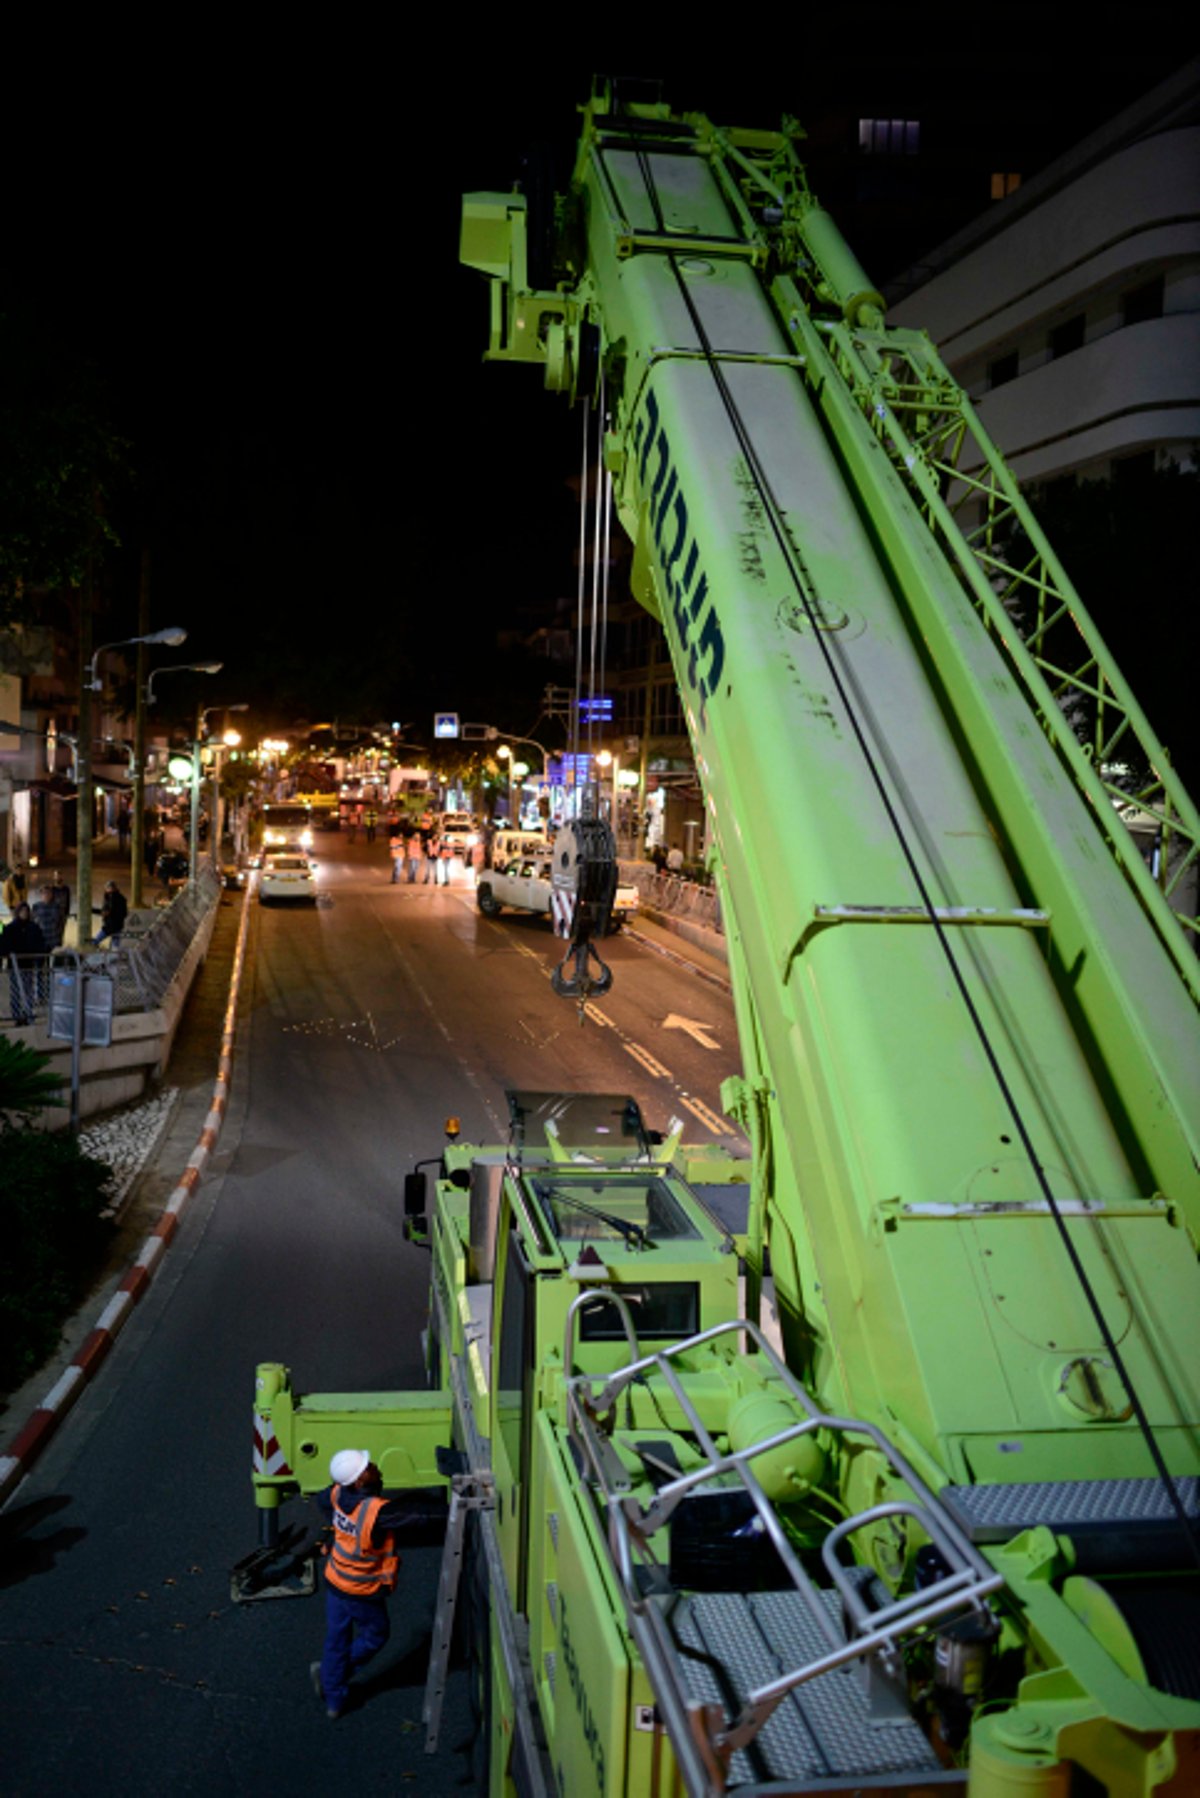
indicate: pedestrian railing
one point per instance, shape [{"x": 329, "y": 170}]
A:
[
  {"x": 142, "y": 965},
  {"x": 673, "y": 894}
]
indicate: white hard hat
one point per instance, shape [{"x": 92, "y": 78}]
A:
[{"x": 347, "y": 1464}]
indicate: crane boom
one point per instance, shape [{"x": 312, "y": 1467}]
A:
[{"x": 948, "y": 1536}]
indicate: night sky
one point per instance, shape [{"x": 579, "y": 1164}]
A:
[{"x": 256, "y": 241}]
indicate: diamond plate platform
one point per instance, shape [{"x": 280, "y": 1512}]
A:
[
  {"x": 730, "y": 1643},
  {"x": 996, "y": 1513}
]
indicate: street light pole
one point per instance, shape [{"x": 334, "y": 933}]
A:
[{"x": 137, "y": 834}]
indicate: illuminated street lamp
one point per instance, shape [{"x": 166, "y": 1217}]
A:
[
  {"x": 179, "y": 668},
  {"x": 145, "y": 699},
  {"x": 203, "y": 714},
  {"x": 173, "y": 636}
]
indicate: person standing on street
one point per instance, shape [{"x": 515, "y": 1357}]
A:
[
  {"x": 361, "y": 1568},
  {"x": 372, "y": 823},
  {"x": 48, "y": 917},
  {"x": 396, "y": 851},
  {"x": 22, "y": 939},
  {"x": 432, "y": 858},
  {"x": 15, "y": 888},
  {"x": 445, "y": 857},
  {"x": 62, "y": 898},
  {"x": 412, "y": 848},
  {"x": 112, "y": 915}
]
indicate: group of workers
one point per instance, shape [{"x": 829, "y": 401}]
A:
[{"x": 420, "y": 851}]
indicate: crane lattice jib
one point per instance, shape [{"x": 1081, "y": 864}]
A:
[
  {"x": 940, "y": 449},
  {"x": 972, "y": 504}
]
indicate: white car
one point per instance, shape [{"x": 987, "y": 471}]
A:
[
  {"x": 525, "y": 885},
  {"x": 287, "y": 877},
  {"x": 458, "y": 829}
]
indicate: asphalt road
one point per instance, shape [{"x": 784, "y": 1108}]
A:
[{"x": 364, "y": 1023}]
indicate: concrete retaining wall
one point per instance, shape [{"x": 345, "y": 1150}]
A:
[{"x": 140, "y": 1049}]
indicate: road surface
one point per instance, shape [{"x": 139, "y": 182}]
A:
[{"x": 364, "y": 1023}]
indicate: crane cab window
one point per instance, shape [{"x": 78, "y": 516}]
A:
[{"x": 582, "y": 1208}]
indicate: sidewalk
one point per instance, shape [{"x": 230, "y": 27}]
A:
[
  {"x": 691, "y": 945},
  {"x": 109, "y": 862}
]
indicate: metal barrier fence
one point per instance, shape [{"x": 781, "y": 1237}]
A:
[
  {"x": 672, "y": 893},
  {"x": 142, "y": 965}
]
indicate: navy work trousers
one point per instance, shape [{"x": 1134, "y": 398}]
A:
[{"x": 355, "y": 1629}]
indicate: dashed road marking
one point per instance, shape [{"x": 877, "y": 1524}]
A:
[
  {"x": 647, "y": 1061},
  {"x": 708, "y": 1118},
  {"x": 716, "y": 1125}
]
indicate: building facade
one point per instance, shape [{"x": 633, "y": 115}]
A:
[{"x": 1070, "y": 311}]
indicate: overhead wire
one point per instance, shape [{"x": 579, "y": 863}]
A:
[{"x": 807, "y": 590}]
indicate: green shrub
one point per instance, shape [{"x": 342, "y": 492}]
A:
[
  {"x": 51, "y": 1197},
  {"x": 27, "y": 1084}
]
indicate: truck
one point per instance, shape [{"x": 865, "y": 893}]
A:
[
  {"x": 523, "y": 882},
  {"x": 869, "y": 1461}
]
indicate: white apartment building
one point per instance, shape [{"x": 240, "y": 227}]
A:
[{"x": 1070, "y": 312}]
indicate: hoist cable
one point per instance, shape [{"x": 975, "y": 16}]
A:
[
  {"x": 803, "y": 581},
  {"x": 580, "y": 579}
]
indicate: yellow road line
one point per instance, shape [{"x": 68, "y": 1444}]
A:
[
  {"x": 647, "y": 1061},
  {"x": 707, "y": 1118}
]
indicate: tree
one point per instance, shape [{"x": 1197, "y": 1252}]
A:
[
  {"x": 61, "y": 464},
  {"x": 26, "y": 1084}
]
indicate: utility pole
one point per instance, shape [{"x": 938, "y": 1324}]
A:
[
  {"x": 137, "y": 835},
  {"x": 194, "y": 826},
  {"x": 83, "y": 768}
]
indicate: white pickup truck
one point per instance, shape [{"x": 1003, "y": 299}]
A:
[{"x": 524, "y": 884}]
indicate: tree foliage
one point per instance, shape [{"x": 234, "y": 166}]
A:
[
  {"x": 61, "y": 464},
  {"x": 27, "y": 1085},
  {"x": 51, "y": 1199}
]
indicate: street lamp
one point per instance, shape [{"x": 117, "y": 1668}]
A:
[
  {"x": 145, "y": 699},
  {"x": 180, "y": 668},
  {"x": 90, "y": 683},
  {"x": 173, "y": 636},
  {"x": 203, "y": 714}
]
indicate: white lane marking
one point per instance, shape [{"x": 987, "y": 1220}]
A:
[
  {"x": 707, "y": 1118},
  {"x": 717, "y": 1126},
  {"x": 694, "y": 1029}
]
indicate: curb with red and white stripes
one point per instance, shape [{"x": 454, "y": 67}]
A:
[{"x": 45, "y": 1419}]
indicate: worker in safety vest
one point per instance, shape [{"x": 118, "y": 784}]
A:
[{"x": 360, "y": 1571}]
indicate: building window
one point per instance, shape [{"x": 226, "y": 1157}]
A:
[
  {"x": 1004, "y": 184},
  {"x": 889, "y": 137},
  {"x": 1067, "y": 337},
  {"x": 1143, "y": 302},
  {"x": 1003, "y": 369}
]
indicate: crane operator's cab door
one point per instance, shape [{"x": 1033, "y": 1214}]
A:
[{"x": 511, "y": 1406}]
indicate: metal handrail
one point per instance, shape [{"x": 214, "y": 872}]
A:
[{"x": 969, "y": 1579}]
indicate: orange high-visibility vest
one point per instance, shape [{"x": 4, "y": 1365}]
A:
[{"x": 351, "y": 1567}]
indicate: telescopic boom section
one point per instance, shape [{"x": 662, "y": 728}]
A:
[{"x": 969, "y": 1036}]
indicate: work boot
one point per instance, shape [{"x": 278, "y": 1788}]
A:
[{"x": 314, "y": 1673}]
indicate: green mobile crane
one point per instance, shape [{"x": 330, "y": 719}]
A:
[{"x": 942, "y": 1529}]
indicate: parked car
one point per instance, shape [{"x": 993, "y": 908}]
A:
[
  {"x": 525, "y": 884},
  {"x": 458, "y": 829},
  {"x": 288, "y": 877}
]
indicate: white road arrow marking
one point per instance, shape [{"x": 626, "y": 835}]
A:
[{"x": 693, "y": 1029}]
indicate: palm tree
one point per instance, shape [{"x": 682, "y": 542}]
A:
[{"x": 26, "y": 1084}]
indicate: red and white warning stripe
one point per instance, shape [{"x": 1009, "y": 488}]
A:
[
  {"x": 268, "y": 1456},
  {"x": 41, "y": 1425},
  {"x": 562, "y": 910}
]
